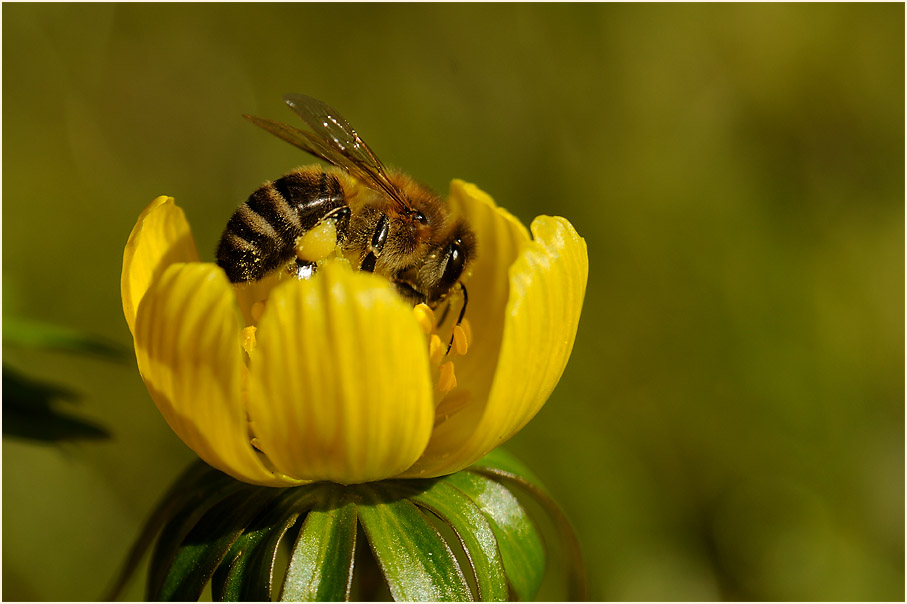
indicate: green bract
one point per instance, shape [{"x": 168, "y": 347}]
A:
[{"x": 461, "y": 537}]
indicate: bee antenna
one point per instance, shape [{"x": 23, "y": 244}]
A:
[{"x": 462, "y": 313}]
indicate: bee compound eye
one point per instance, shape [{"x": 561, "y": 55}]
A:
[{"x": 455, "y": 261}]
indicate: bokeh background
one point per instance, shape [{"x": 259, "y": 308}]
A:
[{"x": 731, "y": 424}]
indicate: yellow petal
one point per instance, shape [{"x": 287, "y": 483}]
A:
[
  {"x": 188, "y": 348},
  {"x": 499, "y": 238},
  {"x": 547, "y": 287},
  {"x": 340, "y": 387},
  {"x": 161, "y": 236}
]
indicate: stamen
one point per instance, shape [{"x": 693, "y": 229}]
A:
[
  {"x": 257, "y": 309},
  {"x": 467, "y": 329},
  {"x": 436, "y": 350},
  {"x": 425, "y": 316},
  {"x": 248, "y": 339},
  {"x": 447, "y": 381},
  {"x": 451, "y": 405},
  {"x": 460, "y": 341}
]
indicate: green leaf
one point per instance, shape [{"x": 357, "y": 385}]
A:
[
  {"x": 28, "y": 411},
  {"x": 36, "y": 334},
  {"x": 230, "y": 580},
  {"x": 196, "y": 499},
  {"x": 417, "y": 563},
  {"x": 206, "y": 545},
  {"x": 321, "y": 565},
  {"x": 517, "y": 537},
  {"x": 258, "y": 573},
  {"x": 500, "y": 460},
  {"x": 502, "y": 467},
  {"x": 474, "y": 532},
  {"x": 167, "y": 507}
]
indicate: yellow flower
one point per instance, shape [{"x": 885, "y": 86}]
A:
[{"x": 334, "y": 378}]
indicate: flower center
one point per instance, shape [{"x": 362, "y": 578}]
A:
[
  {"x": 445, "y": 338},
  {"x": 441, "y": 351}
]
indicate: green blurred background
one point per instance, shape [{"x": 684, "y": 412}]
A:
[{"x": 731, "y": 424}]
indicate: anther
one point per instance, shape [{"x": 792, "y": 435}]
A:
[
  {"x": 248, "y": 339},
  {"x": 257, "y": 309},
  {"x": 447, "y": 381},
  {"x": 462, "y": 314},
  {"x": 460, "y": 341},
  {"x": 451, "y": 405},
  {"x": 467, "y": 330},
  {"x": 425, "y": 316},
  {"x": 436, "y": 350}
]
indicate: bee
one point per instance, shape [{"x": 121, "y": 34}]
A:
[{"x": 385, "y": 222}]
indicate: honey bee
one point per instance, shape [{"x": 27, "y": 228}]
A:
[{"x": 385, "y": 222}]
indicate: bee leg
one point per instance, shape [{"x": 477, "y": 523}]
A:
[
  {"x": 462, "y": 314},
  {"x": 341, "y": 218},
  {"x": 322, "y": 239},
  {"x": 444, "y": 314},
  {"x": 368, "y": 264}
]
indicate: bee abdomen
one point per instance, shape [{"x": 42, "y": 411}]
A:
[{"x": 261, "y": 234}]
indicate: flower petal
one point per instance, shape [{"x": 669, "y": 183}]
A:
[
  {"x": 160, "y": 237},
  {"x": 547, "y": 287},
  {"x": 499, "y": 238},
  {"x": 340, "y": 384},
  {"x": 187, "y": 344}
]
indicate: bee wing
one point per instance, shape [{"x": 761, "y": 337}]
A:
[
  {"x": 306, "y": 141},
  {"x": 334, "y": 140},
  {"x": 339, "y": 135},
  {"x": 355, "y": 157}
]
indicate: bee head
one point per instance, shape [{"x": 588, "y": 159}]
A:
[{"x": 444, "y": 269}]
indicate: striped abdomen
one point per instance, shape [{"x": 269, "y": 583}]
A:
[{"x": 261, "y": 234}]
